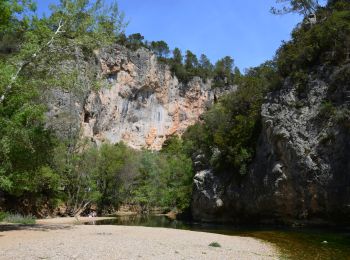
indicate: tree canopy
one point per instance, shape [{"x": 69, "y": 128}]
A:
[{"x": 304, "y": 7}]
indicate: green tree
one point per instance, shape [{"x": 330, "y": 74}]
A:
[
  {"x": 205, "y": 66},
  {"x": 223, "y": 72},
  {"x": 304, "y": 7},
  {"x": 165, "y": 178},
  {"x": 135, "y": 41},
  {"x": 26, "y": 144},
  {"x": 230, "y": 129},
  {"x": 177, "y": 66},
  {"x": 177, "y": 56},
  {"x": 191, "y": 61},
  {"x": 161, "y": 48}
]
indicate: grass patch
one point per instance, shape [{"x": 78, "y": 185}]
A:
[
  {"x": 17, "y": 218},
  {"x": 3, "y": 215},
  {"x": 214, "y": 244}
]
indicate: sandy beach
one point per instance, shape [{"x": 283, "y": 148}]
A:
[{"x": 66, "y": 241}]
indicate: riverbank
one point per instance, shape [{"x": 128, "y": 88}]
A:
[
  {"x": 66, "y": 241},
  {"x": 70, "y": 220}
]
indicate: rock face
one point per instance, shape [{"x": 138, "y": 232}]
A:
[
  {"x": 301, "y": 173},
  {"x": 140, "y": 102}
]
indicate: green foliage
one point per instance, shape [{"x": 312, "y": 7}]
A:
[
  {"x": 161, "y": 48},
  {"x": 113, "y": 174},
  {"x": 214, "y": 244},
  {"x": 165, "y": 178},
  {"x": 25, "y": 144},
  {"x": 327, "y": 42},
  {"x": 135, "y": 41},
  {"x": 27, "y": 169},
  {"x": 9, "y": 11},
  {"x": 304, "y": 7},
  {"x": 229, "y": 132},
  {"x": 17, "y": 218},
  {"x": 191, "y": 62},
  {"x": 3, "y": 215},
  {"x": 88, "y": 23},
  {"x": 327, "y": 110},
  {"x": 205, "y": 67},
  {"x": 223, "y": 72}
]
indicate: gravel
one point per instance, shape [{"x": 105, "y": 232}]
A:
[{"x": 61, "y": 241}]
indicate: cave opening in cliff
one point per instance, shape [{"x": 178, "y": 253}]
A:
[{"x": 87, "y": 117}]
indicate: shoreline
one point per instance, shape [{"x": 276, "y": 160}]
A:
[
  {"x": 69, "y": 220},
  {"x": 67, "y": 241}
]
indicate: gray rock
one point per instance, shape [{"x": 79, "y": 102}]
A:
[
  {"x": 301, "y": 173},
  {"x": 139, "y": 102}
]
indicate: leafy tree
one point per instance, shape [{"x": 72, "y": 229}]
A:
[
  {"x": 26, "y": 71},
  {"x": 324, "y": 43},
  {"x": 25, "y": 148},
  {"x": 177, "y": 56},
  {"x": 161, "y": 48},
  {"x": 191, "y": 61},
  {"x": 229, "y": 132},
  {"x": 135, "y": 41},
  {"x": 205, "y": 63},
  {"x": 223, "y": 72},
  {"x": 177, "y": 66},
  {"x": 10, "y": 11},
  {"x": 165, "y": 178},
  {"x": 205, "y": 67},
  {"x": 304, "y": 7}
]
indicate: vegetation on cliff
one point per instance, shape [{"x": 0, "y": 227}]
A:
[
  {"x": 229, "y": 132},
  {"x": 37, "y": 170},
  {"x": 186, "y": 66}
]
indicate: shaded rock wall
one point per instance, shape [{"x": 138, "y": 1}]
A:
[{"x": 301, "y": 173}]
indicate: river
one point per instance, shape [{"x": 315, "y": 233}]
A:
[{"x": 294, "y": 243}]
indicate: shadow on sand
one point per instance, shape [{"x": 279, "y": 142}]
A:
[{"x": 34, "y": 227}]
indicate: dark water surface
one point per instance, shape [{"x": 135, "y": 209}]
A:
[{"x": 294, "y": 243}]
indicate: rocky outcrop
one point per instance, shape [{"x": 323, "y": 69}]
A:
[
  {"x": 139, "y": 101},
  {"x": 301, "y": 173}
]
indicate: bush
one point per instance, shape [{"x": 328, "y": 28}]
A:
[
  {"x": 18, "y": 219},
  {"x": 324, "y": 43},
  {"x": 327, "y": 110},
  {"x": 3, "y": 215},
  {"x": 214, "y": 244}
]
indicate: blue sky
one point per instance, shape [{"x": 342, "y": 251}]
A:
[{"x": 244, "y": 30}]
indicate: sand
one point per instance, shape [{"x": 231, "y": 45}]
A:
[{"x": 53, "y": 240}]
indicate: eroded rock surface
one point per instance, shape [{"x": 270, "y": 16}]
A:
[
  {"x": 301, "y": 173},
  {"x": 140, "y": 102}
]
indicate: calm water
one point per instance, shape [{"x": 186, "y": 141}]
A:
[{"x": 294, "y": 243}]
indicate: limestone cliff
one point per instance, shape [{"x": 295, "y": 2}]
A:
[
  {"x": 301, "y": 173},
  {"x": 139, "y": 101}
]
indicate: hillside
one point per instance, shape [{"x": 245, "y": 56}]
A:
[{"x": 300, "y": 170}]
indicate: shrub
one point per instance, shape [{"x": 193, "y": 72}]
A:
[
  {"x": 214, "y": 244},
  {"x": 3, "y": 215},
  {"x": 19, "y": 219},
  {"x": 327, "y": 110}
]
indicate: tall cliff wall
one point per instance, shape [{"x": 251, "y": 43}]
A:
[
  {"x": 139, "y": 101},
  {"x": 301, "y": 173}
]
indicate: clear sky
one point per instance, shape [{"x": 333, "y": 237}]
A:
[{"x": 244, "y": 30}]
